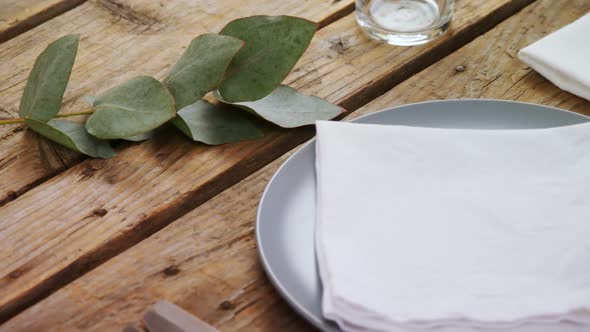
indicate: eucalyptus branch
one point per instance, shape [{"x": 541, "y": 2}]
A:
[{"x": 243, "y": 65}]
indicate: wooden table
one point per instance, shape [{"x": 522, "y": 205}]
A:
[{"x": 89, "y": 244}]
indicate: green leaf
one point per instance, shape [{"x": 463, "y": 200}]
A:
[
  {"x": 132, "y": 108},
  {"x": 48, "y": 79},
  {"x": 141, "y": 137},
  {"x": 273, "y": 46},
  {"x": 215, "y": 124},
  {"x": 201, "y": 67},
  {"x": 72, "y": 135},
  {"x": 289, "y": 109}
]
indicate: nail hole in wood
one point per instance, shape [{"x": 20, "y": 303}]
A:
[
  {"x": 171, "y": 270},
  {"x": 100, "y": 212},
  {"x": 226, "y": 305},
  {"x": 15, "y": 274}
]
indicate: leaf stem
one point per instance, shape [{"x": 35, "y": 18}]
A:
[
  {"x": 64, "y": 115},
  {"x": 11, "y": 121}
]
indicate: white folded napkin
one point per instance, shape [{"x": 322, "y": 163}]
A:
[
  {"x": 563, "y": 57},
  {"x": 449, "y": 230}
]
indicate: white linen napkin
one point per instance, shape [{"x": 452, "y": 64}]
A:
[
  {"x": 563, "y": 57},
  {"x": 450, "y": 230}
]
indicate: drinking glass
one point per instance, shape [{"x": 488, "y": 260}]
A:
[{"x": 404, "y": 22}]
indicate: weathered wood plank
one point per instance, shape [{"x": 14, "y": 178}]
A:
[
  {"x": 206, "y": 261},
  {"x": 54, "y": 233},
  {"x": 17, "y": 17},
  {"x": 334, "y": 72},
  {"x": 119, "y": 40}
]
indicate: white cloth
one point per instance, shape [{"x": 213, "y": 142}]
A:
[
  {"x": 563, "y": 57},
  {"x": 424, "y": 229}
]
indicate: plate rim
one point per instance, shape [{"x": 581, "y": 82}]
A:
[{"x": 300, "y": 309}]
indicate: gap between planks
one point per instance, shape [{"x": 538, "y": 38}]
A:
[
  {"x": 207, "y": 259},
  {"x": 126, "y": 15},
  {"x": 93, "y": 258},
  {"x": 52, "y": 152},
  {"x": 35, "y": 12}
]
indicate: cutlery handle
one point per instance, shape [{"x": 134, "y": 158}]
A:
[{"x": 167, "y": 317}]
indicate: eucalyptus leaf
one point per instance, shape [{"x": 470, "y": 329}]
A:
[
  {"x": 48, "y": 79},
  {"x": 201, "y": 67},
  {"x": 141, "y": 137},
  {"x": 136, "y": 138},
  {"x": 72, "y": 135},
  {"x": 289, "y": 109},
  {"x": 215, "y": 124},
  {"x": 132, "y": 108},
  {"x": 273, "y": 46}
]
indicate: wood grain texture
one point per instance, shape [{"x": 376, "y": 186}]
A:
[
  {"x": 206, "y": 261},
  {"x": 120, "y": 39},
  {"x": 17, "y": 17},
  {"x": 347, "y": 67},
  {"x": 53, "y": 233}
]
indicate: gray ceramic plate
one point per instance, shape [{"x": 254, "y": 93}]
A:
[{"x": 285, "y": 224}]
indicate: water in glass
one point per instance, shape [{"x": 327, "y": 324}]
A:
[{"x": 404, "y": 22}]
